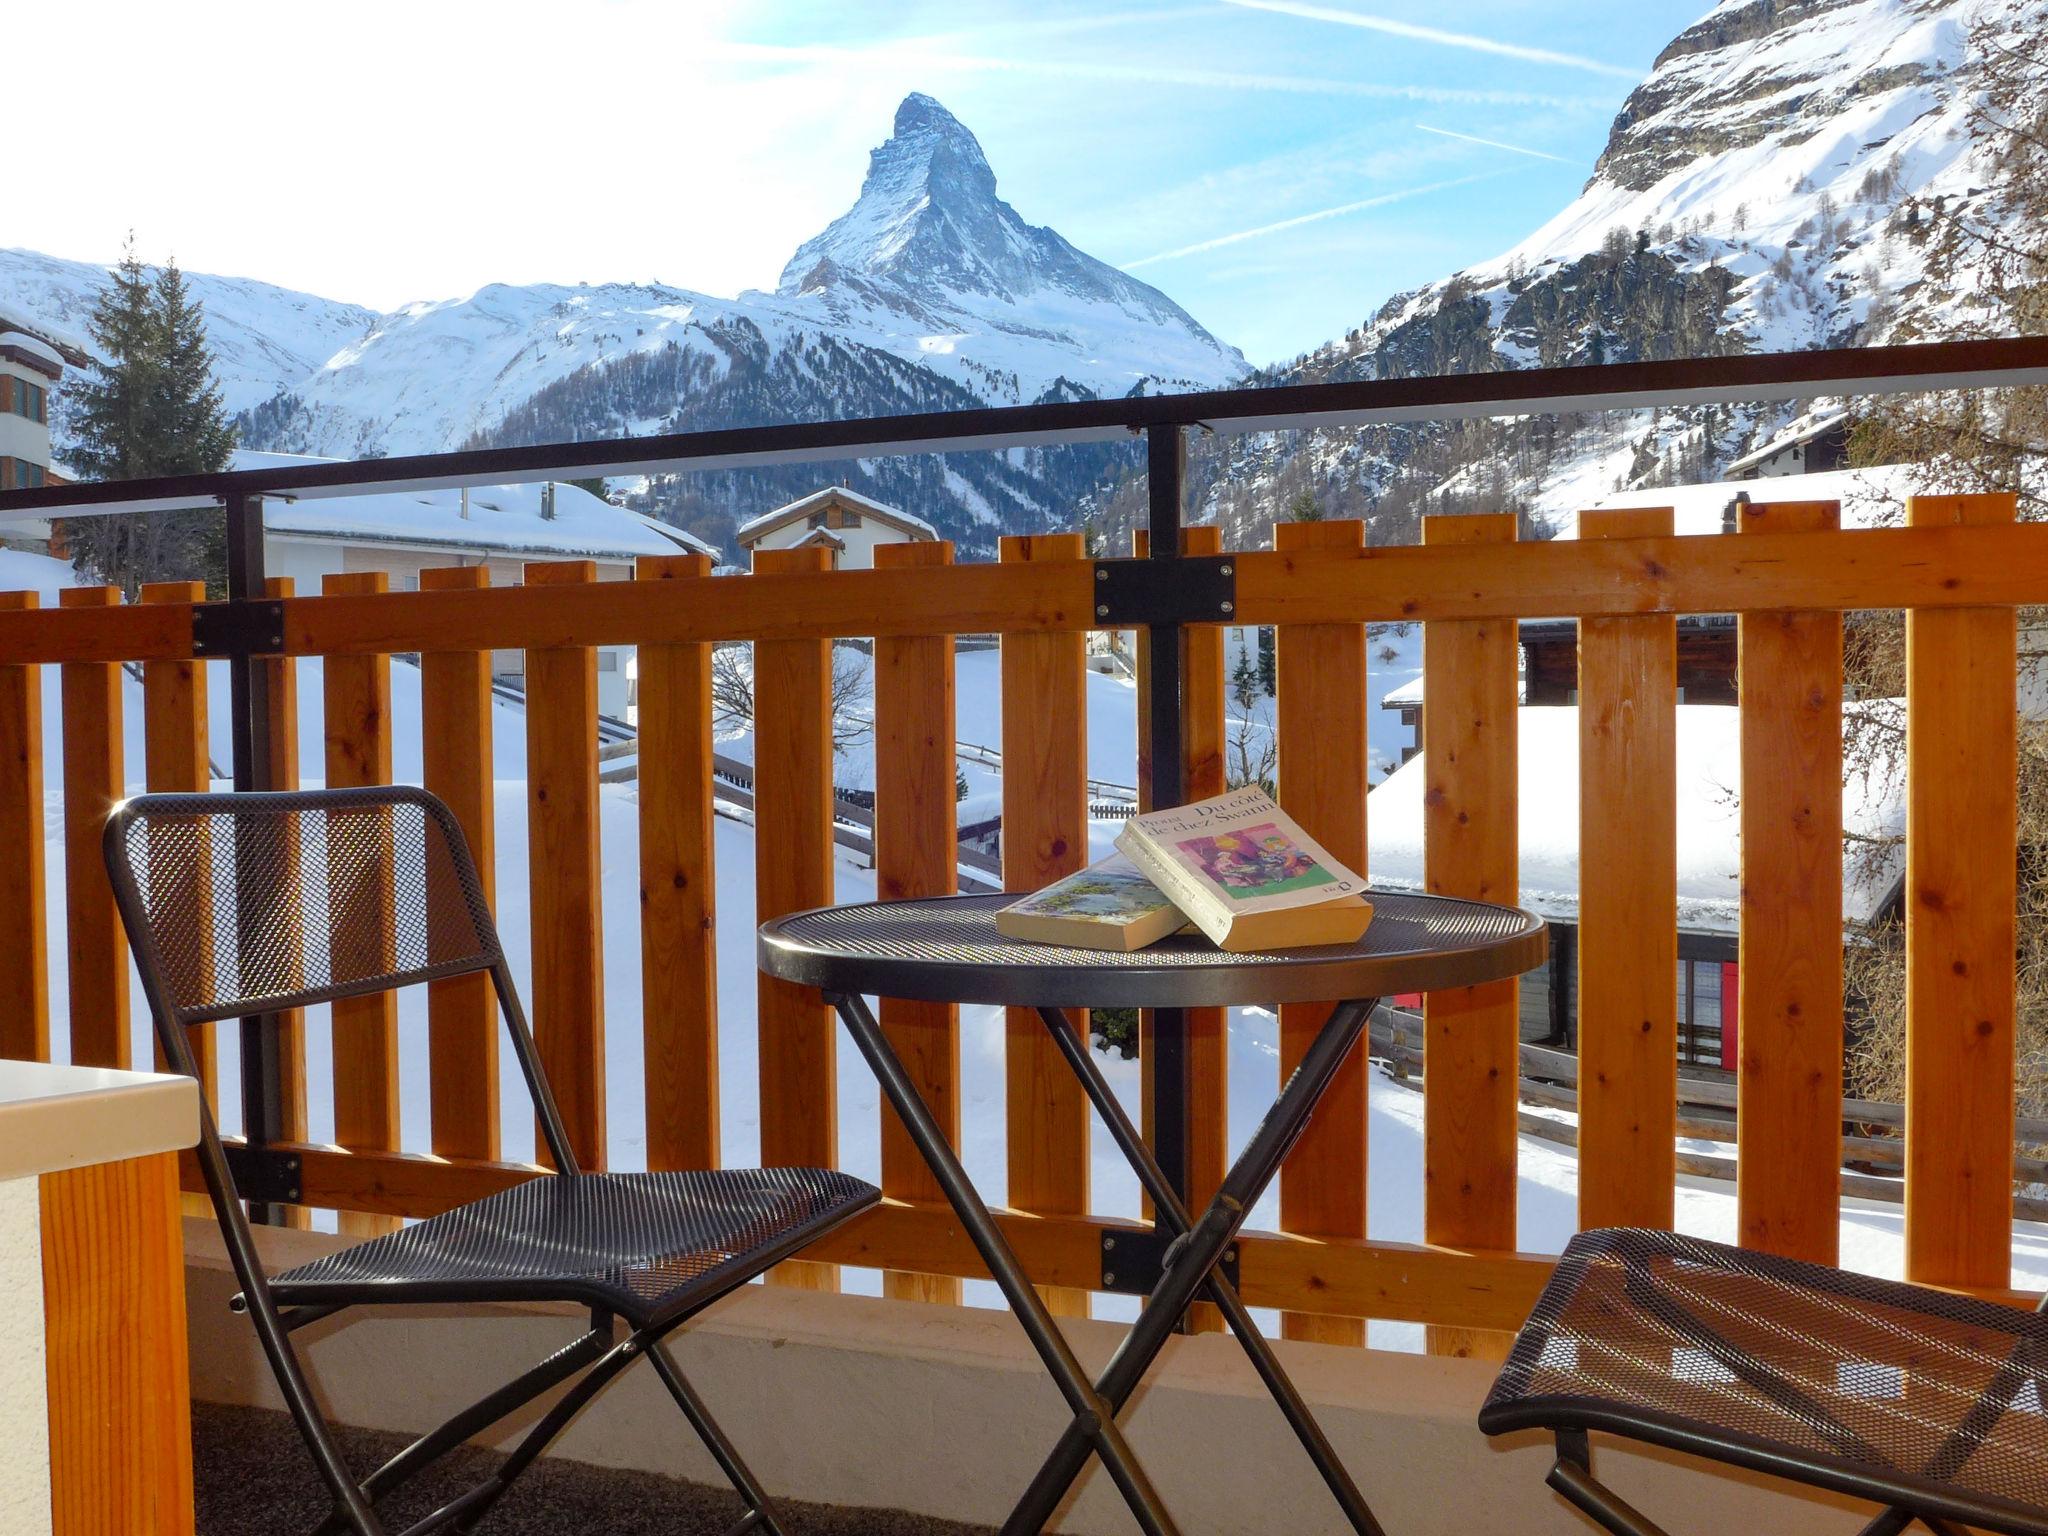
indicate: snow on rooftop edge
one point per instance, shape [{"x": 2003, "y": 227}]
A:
[
  {"x": 1709, "y": 819},
  {"x": 823, "y": 493},
  {"x": 501, "y": 517},
  {"x": 1871, "y": 498}
]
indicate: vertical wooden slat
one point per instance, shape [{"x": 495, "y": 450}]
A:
[
  {"x": 1961, "y": 858},
  {"x": 563, "y": 873},
  {"x": 1628, "y": 904},
  {"x": 356, "y": 708},
  {"x": 1320, "y": 717},
  {"x": 1788, "y": 1171},
  {"x": 917, "y": 847},
  {"x": 1202, "y": 775},
  {"x": 24, "y": 959},
  {"x": 282, "y": 772},
  {"x": 175, "y": 763},
  {"x": 793, "y": 871},
  {"x": 1045, "y": 836},
  {"x": 1471, "y": 849},
  {"x": 456, "y": 764},
  {"x": 120, "y": 1414},
  {"x": 678, "y": 891},
  {"x": 96, "y": 952}
]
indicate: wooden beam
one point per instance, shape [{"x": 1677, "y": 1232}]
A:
[
  {"x": 357, "y": 706},
  {"x": 1320, "y": 717},
  {"x": 115, "y": 1351},
  {"x": 792, "y": 872},
  {"x": 457, "y": 764},
  {"x": 1045, "y": 836},
  {"x": 917, "y": 853},
  {"x": 1961, "y": 860},
  {"x": 95, "y": 778},
  {"x": 1472, "y": 849},
  {"x": 1628, "y": 901},
  {"x": 1788, "y": 1171},
  {"x": 24, "y": 957},
  {"x": 563, "y": 869},
  {"x": 678, "y": 886}
]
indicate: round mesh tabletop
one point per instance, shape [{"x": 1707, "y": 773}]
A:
[{"x": 946, "y": 949}]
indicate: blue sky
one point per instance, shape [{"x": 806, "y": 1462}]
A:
[{"x": 399, "y": 151}]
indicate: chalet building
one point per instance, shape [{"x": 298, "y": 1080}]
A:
[
  {"x": 847, "y": 523},
  {"x": 1812, "y": 445},
  {"x": 500, "y": 526},
  {"x": 33, "y": 358}
]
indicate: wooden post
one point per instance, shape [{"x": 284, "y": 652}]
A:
[
  {"x": 24, "y": 962},
  {"x": 95, "y": 778},
  {"x": 456, "y": 764},
  {"x": 1961, "y": 859},
  {"x": 175, "y": 762},
  {"x": 1320, "y": 715},
  {"x": 1788, "y": 1124},
  {"x": 1203, "y": 773},
  {"x": 357, "y": 708},
  {"x": 1045, "y": 836},
  {"x": 114, "y": 1336},
  {"x": 678, "y": 890},
  {"x": 563, "y": 873},
  {"x": 793, "y": 871},
  {"x": 1628, "y": 904},
  {"x": 917, "y": 853},
  {"x": 1472, "y": 849}
]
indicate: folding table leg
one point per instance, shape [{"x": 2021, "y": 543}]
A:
[
  {"x": 1172, "y": 1215},
  {"x": 1194, "y": 1255},
  {"x": 1093, "y": 1422}
]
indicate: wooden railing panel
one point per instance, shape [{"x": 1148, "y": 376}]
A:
[
  {"x": 1202, "y": 648},
  {"x": 457, "y": 764},
  {"x": 175, "y": 763},
  {"x": 678, "y": 889},
  {"x": 1961, "y": 851},
  {"x": 357, "y": 735},
  {"x": 1320, "y": 716},
  {"x": 1628, "y": 902},
  {"x": 24, "y": 960},
  {"x": 1472, "y": 849},
  {"x": 1788, "y": 1171},
  {"x": 1045, "y": 836},
  {"x": 563, "y": 870},
  {"x": 95, "y": 777},
  {"x": 793, "y": 871},
  {"x": 917, "y": 854}
]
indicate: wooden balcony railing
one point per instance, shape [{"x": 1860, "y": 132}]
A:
[{"x": 1960, "y": 567}]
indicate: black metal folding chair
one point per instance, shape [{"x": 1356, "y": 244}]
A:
[
  {"x": 1930, "y": 1404},
  {"x": 249, "y": 904}
]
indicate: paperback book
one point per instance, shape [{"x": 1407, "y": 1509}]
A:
[{"x": 1109, "y": 905}]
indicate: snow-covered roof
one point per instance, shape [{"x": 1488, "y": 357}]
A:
[
  {"x": 1871, "y": 498},
  {"x": 35, "y": 348},
  {"x": 1409, "y": 694},
  {"x": 1802, "y": 431},
  {"x": 69, "y": 344},
  {"x": 803, "y": 506},
  {"x": 1709, "y": 819},
  {"x": 502, "y": 518}
]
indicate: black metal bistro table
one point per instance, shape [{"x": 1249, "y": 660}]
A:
[{"x": 947, "y": 950}]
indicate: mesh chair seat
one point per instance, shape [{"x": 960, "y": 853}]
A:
[
  {"x": 1841, "y": 1379},
  {"x": 645, "y": 1245}
]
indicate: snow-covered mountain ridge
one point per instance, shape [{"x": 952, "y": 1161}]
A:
[
  {"x": 1773, "y": 185},
  {"x": 930, "y": 292}
]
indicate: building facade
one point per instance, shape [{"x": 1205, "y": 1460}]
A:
[
  {"x": 845, "y": 522},
  {"x": 32, "y": 361}
]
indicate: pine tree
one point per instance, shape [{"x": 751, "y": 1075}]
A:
[{"x": 149, "y": 407}]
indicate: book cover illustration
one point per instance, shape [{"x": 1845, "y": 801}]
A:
[
  {"x": 1255, "y": 862},
  {"x": 1106, "y": 893}
]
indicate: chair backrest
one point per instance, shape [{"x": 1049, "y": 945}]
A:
[{"x": 255, "y": 903}]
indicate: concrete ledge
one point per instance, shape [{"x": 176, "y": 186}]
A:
[{"x": 945, "y": 1411}]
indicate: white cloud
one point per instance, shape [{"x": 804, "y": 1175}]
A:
[{"x": 1421, "y": 34}]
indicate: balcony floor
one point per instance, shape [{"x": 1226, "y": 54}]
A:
[{"x": 254, "y": 1478}]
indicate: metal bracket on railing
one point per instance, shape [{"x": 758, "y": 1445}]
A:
[
  {"x": 1134, "y": 1260},
  {"x": 1188, "y": 589},
  {"x": 263, "y": 1176},
  {"x": 238, "y": 628}
]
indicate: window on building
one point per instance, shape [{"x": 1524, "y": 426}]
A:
[
  {"x": 849, "y": 520},
  {"x": 32, "y": 401},
  {"x": 25, "y": 476}
]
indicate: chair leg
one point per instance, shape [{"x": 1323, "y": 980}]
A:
[
  {"x": 1572, "y": 1477},
  {"x": 760, "y": 1511}
]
